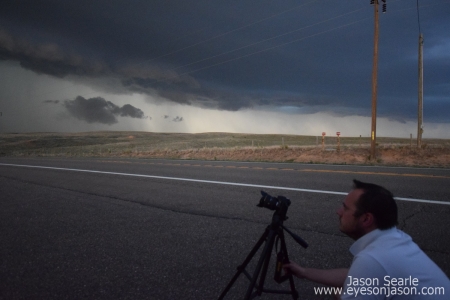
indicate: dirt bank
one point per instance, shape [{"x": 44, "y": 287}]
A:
[{"x": 391, "y": 156}]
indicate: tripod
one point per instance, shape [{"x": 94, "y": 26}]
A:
[{"x": 274, "y": 232}]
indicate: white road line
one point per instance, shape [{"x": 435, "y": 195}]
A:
[{"x": 216, "y": 182}]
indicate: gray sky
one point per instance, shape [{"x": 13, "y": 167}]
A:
[{"x": 282, "y": 66}]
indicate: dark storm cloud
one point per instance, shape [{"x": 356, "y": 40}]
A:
[
  {"x": 51, "y": 59},
  {"x": 233, "y": 55},
  {"x": 98, "y": 110},
  {"x": 52, "y": 101},
  {"x": 46, "y": 58},
  {"x": 130, "y": 111}
]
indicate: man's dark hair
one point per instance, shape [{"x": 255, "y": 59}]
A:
[{"x": 379, "y": 202}]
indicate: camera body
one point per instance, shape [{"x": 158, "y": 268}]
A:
[{"x": 279, "y": 203}]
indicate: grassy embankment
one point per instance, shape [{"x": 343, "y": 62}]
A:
[{"x": 225, "y": 146}]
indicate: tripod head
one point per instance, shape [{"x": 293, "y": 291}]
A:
[{"x": 280, "y": 205}]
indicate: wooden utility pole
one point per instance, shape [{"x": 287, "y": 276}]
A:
[
  {"x": 374, "y": 86},
  {"x": 420, "y": 108}
]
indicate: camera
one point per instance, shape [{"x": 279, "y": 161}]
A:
[
  {"x": 273, "y": 238},
  {"x": 273, "y": 203}
]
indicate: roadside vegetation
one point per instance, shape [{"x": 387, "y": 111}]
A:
[{"x": 227, "y": 146}]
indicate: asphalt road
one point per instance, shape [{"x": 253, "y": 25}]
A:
[{"x": 162, "y": 229}]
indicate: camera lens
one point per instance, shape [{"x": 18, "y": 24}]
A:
[{"x": 268, "y": 201}]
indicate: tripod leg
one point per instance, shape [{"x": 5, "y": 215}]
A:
[
  {"x": 265, "y": 258},
  {"x": 290, "y": 277},
  {"x": 241, "y": 268}
]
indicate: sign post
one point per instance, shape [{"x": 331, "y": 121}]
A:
[
  {"x": 323, "y": 140},
  {"x": 338, "y": 141}
]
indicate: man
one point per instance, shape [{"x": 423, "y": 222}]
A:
[{"x": 387, "y": 264}]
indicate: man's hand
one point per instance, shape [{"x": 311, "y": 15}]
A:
[
  {"x": 331, "y": 277},
  {"x": 294, "y": 269}
]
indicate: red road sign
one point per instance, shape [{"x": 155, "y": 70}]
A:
[
  {"x": 338, "y": 133},
  {"x": 324, "y": 134}
]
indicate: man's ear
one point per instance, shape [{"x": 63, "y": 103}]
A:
[{"x": 368, "y": 220}]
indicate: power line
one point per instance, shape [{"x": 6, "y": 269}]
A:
[
  {"x": 231, "y": 31},
  {"x": 418, "y": 16},
  {"x": 423, "y": 6},
  {"x": 280, "y": 45},
  {"x": 265, "y": 40},
  {"x": 277, "y": 46}
]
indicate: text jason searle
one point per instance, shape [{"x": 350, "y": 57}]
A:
[{"x": 387, "y": 281}]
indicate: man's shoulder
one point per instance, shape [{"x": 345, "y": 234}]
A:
[
  {"x": 391, "y": 242},
  {"x": 398, "y": 256},
  {"x": 392, "y": 250}
]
